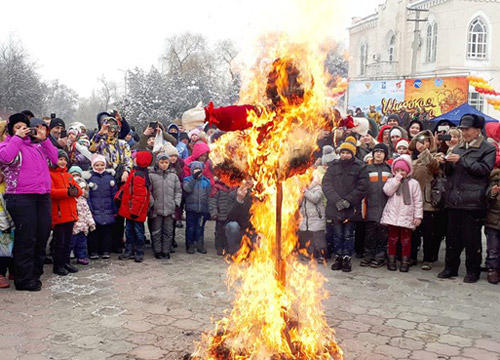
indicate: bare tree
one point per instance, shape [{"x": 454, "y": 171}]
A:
[{"x": 108, "y": 92}]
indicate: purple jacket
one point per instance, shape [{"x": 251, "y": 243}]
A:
[{"x": 26, "y": 165}]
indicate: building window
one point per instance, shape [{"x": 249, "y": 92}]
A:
[
  {"x": 477, "y": 39},
  {"x": 431, "y": 43},
  {"x": 476, "y": 100},
  {"x": 363, "y": 59},
  {"x": 392, "y": 48}
]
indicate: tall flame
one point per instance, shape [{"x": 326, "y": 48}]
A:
[{"x": 275, "y": 318}]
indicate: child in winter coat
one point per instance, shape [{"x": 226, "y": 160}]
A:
[
  {"x": 64, "y": 192},
  {"x": 403, "y": 211},
  {"x": 85, "y": 221},
  {"x": 6, "y": 239},
  {"x": 166, "y": 195},
  {"x": 134, "y": 204},
  {"x": 312, "y": 225},
  {"x": 220, "y": 203},
  {"x": 197, "y": 188},
  {"x": 492, "y": 228},
  {"x": 102, "y": 191},
  {"x": 375, "y": 244}
]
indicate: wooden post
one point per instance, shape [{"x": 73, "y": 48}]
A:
[{"x": 280, "y": 264}]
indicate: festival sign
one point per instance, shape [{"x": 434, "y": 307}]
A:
[
  {"x": 435, "y": 95},
  {"x": 362, "y": 94}
]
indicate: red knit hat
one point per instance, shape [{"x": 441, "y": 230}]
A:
[{"x": 402, "y": 142}]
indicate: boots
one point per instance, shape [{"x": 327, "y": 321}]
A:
[
  {"x": 405, "y": 266},
  {"x": 337, "y": 263},
  {"x": 391, "y": 263},
  {"x": 493, "y": 276},
  {"x": 71, "y": 268},
  {"x": 346, "y": 264},
  {"x": 4, "y": 283},
  {"x": 200, "y": 247}
]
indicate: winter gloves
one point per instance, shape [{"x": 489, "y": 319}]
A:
[
  {"x": 342, "y": 204},
  {"x": 72, "y": 190},
  {"x": 197, "y": 173}
]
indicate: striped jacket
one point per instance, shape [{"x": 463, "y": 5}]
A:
[{"x": 376, "y": 199}]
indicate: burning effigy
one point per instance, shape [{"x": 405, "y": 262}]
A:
[{"x": 277, "y": 311}]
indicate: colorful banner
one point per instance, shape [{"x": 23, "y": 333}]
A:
[
  {"x": 437, "y": 95},
  {"x": 362, "y": 94}
]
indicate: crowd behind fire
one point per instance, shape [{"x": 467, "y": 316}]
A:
[{"x": 385, "y": 188}]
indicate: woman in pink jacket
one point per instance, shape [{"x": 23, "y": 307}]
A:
[
  {"x": 403, "y": 211},
  {"x": 24, "y": 157}
]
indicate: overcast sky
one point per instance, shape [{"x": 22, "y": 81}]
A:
[{"x": 79, "y": 41}]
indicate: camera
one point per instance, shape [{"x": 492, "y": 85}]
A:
[
  {"x": 64, "y": 134},
  {"x": 444, "y": 137},
  {"x": 32, "y": 131},
  {"x": 153, "y": 125},
  {"x": 53, "y": 115}
]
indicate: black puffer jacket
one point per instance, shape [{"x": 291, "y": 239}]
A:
[
  {"x": 375, "y": 197},
  {"x": 347, "y": 181},
  {"x": 467, "y": 180}
]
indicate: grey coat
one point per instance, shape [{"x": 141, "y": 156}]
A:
[
  {"x": 166, "y": 192},
  {"x": 312, "y": 209}
]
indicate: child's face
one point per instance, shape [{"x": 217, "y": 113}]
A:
[
  {"x": 62, "y": 162},
  {"x": 151, "y": 141},
  {"x": 401, "y": 172},
  {"x": 378, "y": 157},
  {"x": 99, "y": 166},
  {"x": 71, "y": 138},
  {"x": 75, "y": 175},
  {"x": 163, "y": 164},
  {"x": 402, "y": 150},
  {"x": 173, "y": 158},
  {"x": 203, "y": 157}
]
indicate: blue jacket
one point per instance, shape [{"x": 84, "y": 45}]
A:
[
  {"x": 102, "y": 190},
  {"x": 197, "y": 194}
]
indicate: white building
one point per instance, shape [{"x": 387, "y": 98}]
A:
[{"x": 454, "y": 38}]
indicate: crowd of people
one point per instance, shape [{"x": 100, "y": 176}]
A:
[{"x": 384, "y": 189}]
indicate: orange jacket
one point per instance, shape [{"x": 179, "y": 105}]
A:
[{"x": 63, "y": 205}]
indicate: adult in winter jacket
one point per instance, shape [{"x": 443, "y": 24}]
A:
[
  {"x": 102, "y": 191},
  {"x": 344, "y": 185},
  {"x": 182, "y": 148},
  {"x": 492, "y": 228},
  {"x": 403, "y": 211},
  {"x": 425, "y": 170},
  {"x": 197, "y": 188},
  {"x": 375, "y": 243},
  {"x": 24, "y": 160},
  {"x": 493, "y": 134},
  {"x": 166, "y": 195},
  {"x": 64, "y": 192},
  {"x": 467, "y": 169},
  {"x": 134, "y": 206}
]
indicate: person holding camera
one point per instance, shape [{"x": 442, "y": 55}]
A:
[
  {"x": 467, "y": 169},
  {"x": 24, "y": 155},
  {"x": 58, "y": 135},
  {"x": 64, "y": 192}
]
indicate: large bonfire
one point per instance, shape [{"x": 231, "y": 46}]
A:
[{"x": 277, "y": 312}]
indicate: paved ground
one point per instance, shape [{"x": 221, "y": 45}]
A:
[{"x": 157, "y": 309}]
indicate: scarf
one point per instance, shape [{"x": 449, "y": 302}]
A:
[{"x": 404, "y": 188}]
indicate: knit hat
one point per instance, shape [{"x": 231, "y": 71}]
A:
[
  {"x": 183, "y": 135},
  {"x": 348, "y": 146},
  {"x": 351, "y": 139},
  {"x": 97, "y": 158},
  {"x": 14, "y": 119},
  {"x": 400, "y": 163},
  {"x": 194, "y": 132},
  {"x": 394, "y": 117},
  {"x": 161, "y": 156},
  {"x": 196, "y": 165},
  {"x": 395, "y": 131},
  {"x": 329, "y": 155},
  {"x": 61, "y": 153},
  {"x": 381, "y": 147},
  {"x": 57, "y": 122},
  {"x": 170, "y": 149},
  {"x": 75, "y": 169},
  {"x": 402, "y": 142}
]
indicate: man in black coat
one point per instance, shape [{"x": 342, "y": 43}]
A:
[
  {"x": 344, "y": 185},
  {"x": 467, "y": 170}
]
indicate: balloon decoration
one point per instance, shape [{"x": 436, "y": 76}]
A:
[
  {"x": 483, "y": 87},
  {"x": 340, "y": 88}
]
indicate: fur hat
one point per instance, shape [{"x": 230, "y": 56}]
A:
[
  {"x": 329, "y": 155},
  {"x": 14, "y": 119},
  {"x": 170, "y": 149}
]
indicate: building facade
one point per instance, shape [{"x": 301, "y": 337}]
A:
[{"x": 450, "y": 38}]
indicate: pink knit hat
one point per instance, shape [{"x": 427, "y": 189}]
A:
[
  {"x": 97, "y": 158},
  {"x": 401, "y": 164}
]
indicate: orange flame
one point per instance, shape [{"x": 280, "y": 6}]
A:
[{"x": 271, "y": 319}]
